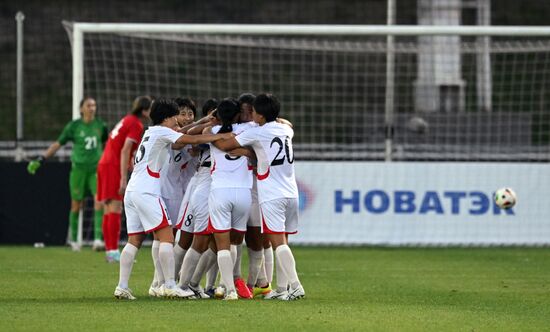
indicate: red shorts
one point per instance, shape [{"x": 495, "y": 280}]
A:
[{"x": 108, "y": 182}]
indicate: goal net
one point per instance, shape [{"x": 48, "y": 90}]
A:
[{"x": 402, "y": 133}]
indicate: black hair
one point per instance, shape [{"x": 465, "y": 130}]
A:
[
  {"x": 209, "y": 105},
  {"x": 267, "y": 105},
  {"x": 246, "y": 98},
  {"x": 140, "y": 104},
  {"x": 186, "y": 102},
  {"x": 84, "y": 100},
  {"x": 227, "y": 110},
  {"x": 163, "y": 109}
]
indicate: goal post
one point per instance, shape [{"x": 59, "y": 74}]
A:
[{"x": 469, "y": 113}]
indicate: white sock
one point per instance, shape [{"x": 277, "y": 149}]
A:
[
  {"x": 226, "y": 269},
  {"x": 268, "y": 258},
  {"x": 126, "y": 263},
  {"x": 212, "y": 274},
  {"x": 282, "y": 279},
  {"x": 188, "y": 268},
  {"x": 287, "y": 262},
  {"x": 234, "y": 252},
  {"x": 262, "y": 279},
  {"x": 158, "y": 278},
  {"x": 179, "y": 254},
  {"x": 238, "y": 256},
  {"x": 166, "y": 258},
  {"x": 255, "y": 259},
  {"x": 208, "y": 258}
]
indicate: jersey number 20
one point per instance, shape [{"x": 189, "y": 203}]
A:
[{"x": 280, "y": 160}]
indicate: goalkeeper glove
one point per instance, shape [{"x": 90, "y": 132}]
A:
[{"x": 34, "y": 165}]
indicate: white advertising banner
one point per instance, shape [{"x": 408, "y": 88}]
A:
[{"x": 414, "y": 203}]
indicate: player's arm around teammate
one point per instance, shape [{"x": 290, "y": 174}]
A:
[
  {"x": 277, "y": 188},
  {"x": 145, "y": 209}
]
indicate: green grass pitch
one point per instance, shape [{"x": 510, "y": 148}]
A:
[{"x": 351, "y": 289}]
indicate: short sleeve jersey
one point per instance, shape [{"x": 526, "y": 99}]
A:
[
  {"x": 272, "y": 143},
  {"x": 88, "y": 139},
  {"x": 130, "y": 127},
  {"x": 174, "y": 173},
  {"x": 151, "y": 157},
  {"x": 228, "y": 171}
]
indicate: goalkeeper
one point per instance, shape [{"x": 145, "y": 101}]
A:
[{"x": 88, "y": 135}]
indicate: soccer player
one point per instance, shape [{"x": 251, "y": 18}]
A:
[
  {"x": 260, "y": 253},
  {"x": 230, "y": 198},
  {"x": 88, "y": 135},
  {"x": 277, "y": 188},
  {"x": 144, "y": 206},
  {"x": 179, "y": 169},
  {"x": 112, "y": 171},
  {"x": 193, "y": 216}
]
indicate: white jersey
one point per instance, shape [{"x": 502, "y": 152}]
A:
[
  {"x": 228, "y": 171},
  {"x": 272, "y": 143},
  {"x": 175, "y": 175},
  {"x": 150, "y": 158}
]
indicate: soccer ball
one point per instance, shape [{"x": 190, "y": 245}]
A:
[{"x": 505, "y": 198}]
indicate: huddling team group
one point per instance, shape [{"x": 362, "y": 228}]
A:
[{"x": 212, "y": 183}]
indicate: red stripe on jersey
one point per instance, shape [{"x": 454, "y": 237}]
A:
[
  {"x": 153, "y": 174},
  {"x": 178, "y": 225},
  {"x": 213, "y": 168},
  {"x": 265, "y": 229},
  {"x": 164, "y": 223},
  {"x": 211, "y": 228},
  {"x": 263, "y": 176},
  {"x": 184, "y": 166},
  {"x": 250, "y": 167}
]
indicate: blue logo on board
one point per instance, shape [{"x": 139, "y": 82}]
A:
[{"x": 378, "y": 201}]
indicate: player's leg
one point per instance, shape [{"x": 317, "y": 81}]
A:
[
  {"x": 220, "y": 206},
  {"x": 239, "y": 220},
  {"x": 191, "y": 264},
  {"x": 274, "y": 225},
  {"x": 158, "y": 276},
  {"x": 77, "y": 183},
  {"x": 111, "y": 228},
  {"x": 181, "y": 249},
  {"x": 98, "y": 212},
  {"x": 174, "y": 206},
  {"x": 254, "y": 244},
  {"x": 136, "y": 234},
  {"x": 212, "y": 270},
  {"x": 127, "y": 258},
  {"x": 254, "y": 239},
  {"x": 296, "y": 290}
]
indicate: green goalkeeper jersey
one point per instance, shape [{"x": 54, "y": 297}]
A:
[{"x": 88, "y": 140}]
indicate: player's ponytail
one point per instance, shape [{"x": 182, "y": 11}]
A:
[
  {"x": 226, "y": 112},
  {"x": 140, "y": 104}
]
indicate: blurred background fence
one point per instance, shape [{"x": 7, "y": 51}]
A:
[{"x": 47, "y": 58}]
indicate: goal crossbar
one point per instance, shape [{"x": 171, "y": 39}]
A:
[{"x": 80, "y": 28}]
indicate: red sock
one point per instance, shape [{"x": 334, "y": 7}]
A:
[
  {"x": 114, "y": 229},
  {"x": 106, "y": 235}
]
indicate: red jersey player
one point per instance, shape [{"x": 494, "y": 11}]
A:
[{"x": 112, "y": 171}]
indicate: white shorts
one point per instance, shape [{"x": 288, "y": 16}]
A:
[
  {"x": 183, "y": 207},
  {"x": 173, "y": 207},
  {"x": 255, "y": 220},
  {"x": 198, "y": 209},
  {"x": 229, "y": 209},
  {"x": 145, "y": 213},
  {"x": 280, "y": 216}
]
